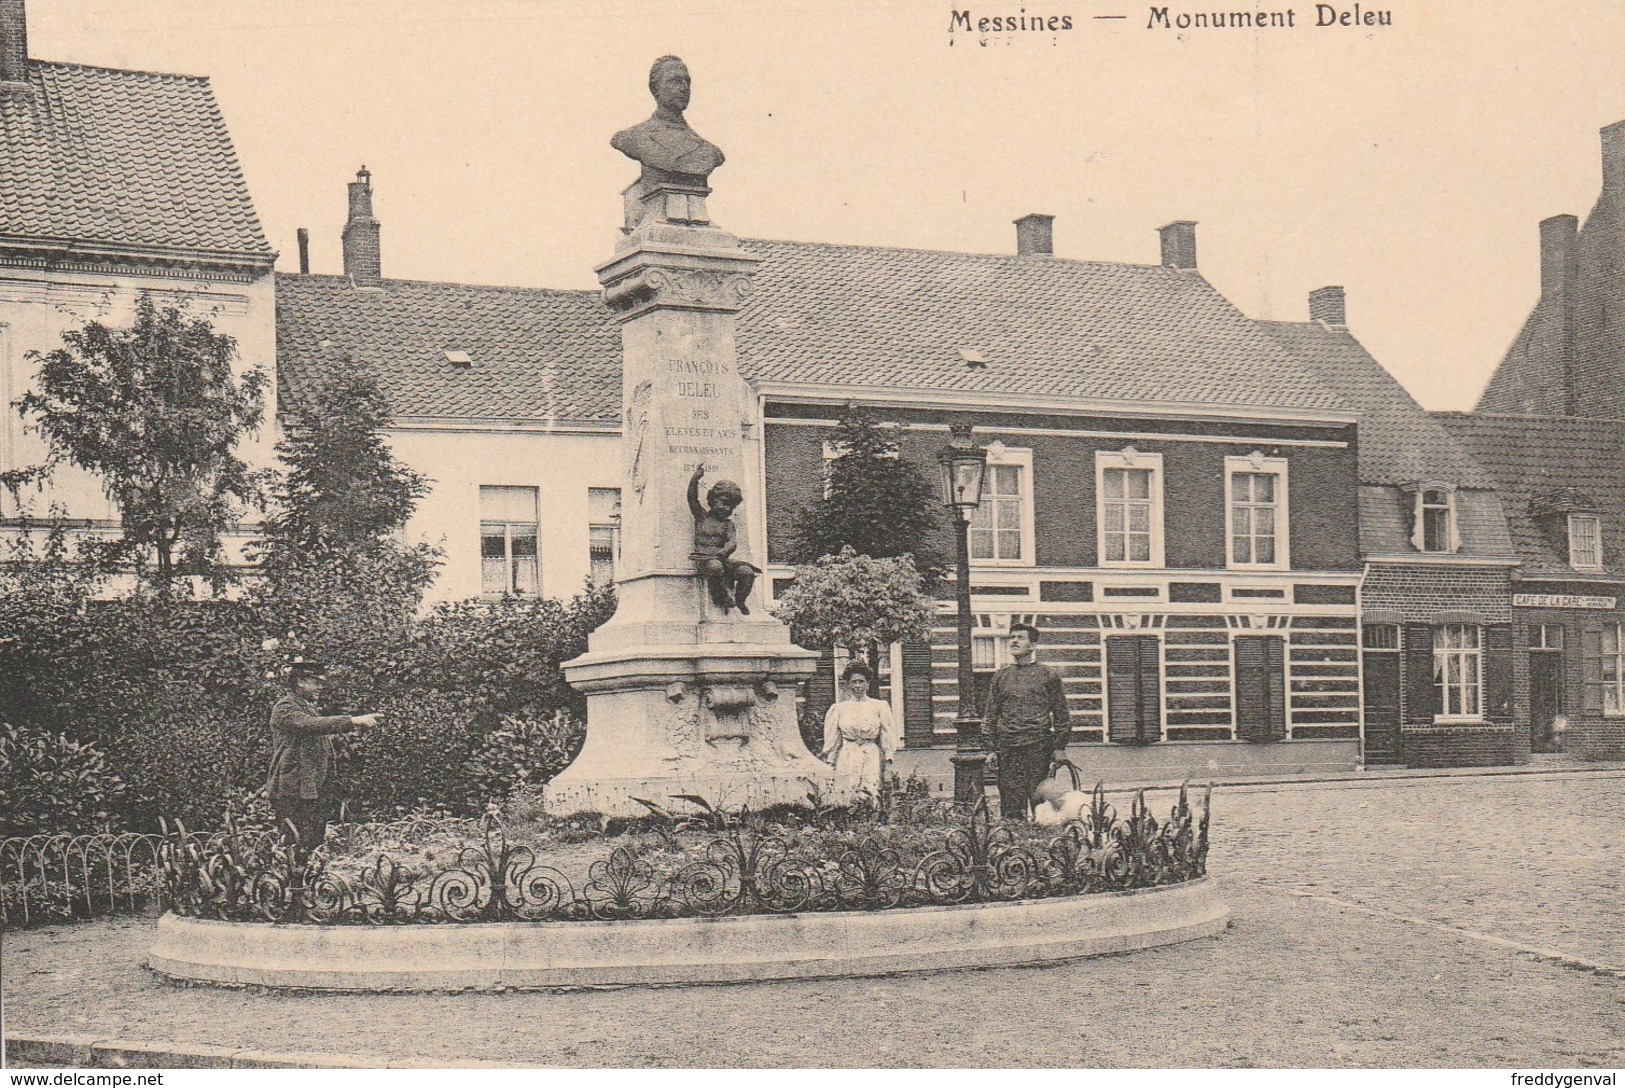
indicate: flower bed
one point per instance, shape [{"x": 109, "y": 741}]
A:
[{"x": 713, "y": 864}]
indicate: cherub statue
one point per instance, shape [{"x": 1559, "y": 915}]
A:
[{"x": 715, "y": 541}]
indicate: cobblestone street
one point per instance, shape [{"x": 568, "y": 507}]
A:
[{"x": 1330, "y": 960}]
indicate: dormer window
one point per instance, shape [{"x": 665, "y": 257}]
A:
[
  {"x": 1433, "y": 525},
  {"x": 1585, "y": 541}
]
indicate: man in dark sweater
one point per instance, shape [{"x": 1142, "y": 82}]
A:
[
  {"x": 301, "y": 784},
  {"x": 1027, "y": 722}
]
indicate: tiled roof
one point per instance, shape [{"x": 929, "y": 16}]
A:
[
  {"x": 831, "y": 315},
  {"x": 1536, "y": 460},
  {"x": 534, "y": 354},
  {"x": 900, "y": 317},
  {"x": 1400, "y": 443},
  {"x": 122, "y": 159},
  {"x": 1385, "y": 523}
]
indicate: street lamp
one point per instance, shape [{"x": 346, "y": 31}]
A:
[{"x": 964, "y": 470}]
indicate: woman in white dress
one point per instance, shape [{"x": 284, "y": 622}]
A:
[{"x": 859, "y": 739}]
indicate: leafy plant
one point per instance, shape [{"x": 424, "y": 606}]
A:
[
  {"x": 857, "y": 602},
  {"x": 876, "y": 502},
  {"x": 51, "y": 783},
  {"x": 156, "y": 411}
]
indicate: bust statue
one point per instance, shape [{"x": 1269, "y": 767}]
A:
[{"x": 667, "y": 148}]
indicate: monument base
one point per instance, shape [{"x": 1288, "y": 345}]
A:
[{"x": 706, "y": 709}]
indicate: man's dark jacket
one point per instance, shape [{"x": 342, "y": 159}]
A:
[{"x": 302, "y": 762}]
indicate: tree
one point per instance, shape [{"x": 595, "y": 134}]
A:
[
  {"x": 336, "y": 576},
  {"x": 877, "y": 503},
  {"x": 344, "y": 492},
  {"x": 858, "y": 603},
  {"x": 156, "y": 411}
]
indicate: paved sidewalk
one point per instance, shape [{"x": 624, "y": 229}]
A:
[{"x": 1377, "y": 926}]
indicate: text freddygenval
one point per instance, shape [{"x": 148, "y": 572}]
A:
[{"x": 1324, "y": 16}]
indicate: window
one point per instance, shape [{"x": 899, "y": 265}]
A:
[
  {"x": 1605, "y": 670},
  {"x": 1129, "y": 489},
  {"x": 1001, "y": 529},
  {"x": 1434, "y": 527},
  {"x": 1380, "y": 636},
  {"x": 603, "y": 532},
  {"x": 1546, "y": 636},
  {"x": 1256, "y": 515},
  {"x": 1585, "y": 541},
  {"x": 508, "y": 554},
  {"x": 1456, "y": 676}
]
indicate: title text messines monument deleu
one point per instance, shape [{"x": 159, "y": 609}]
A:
[{"x": 691, "y": 685}]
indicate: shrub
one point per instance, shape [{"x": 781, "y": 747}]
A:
[
  {"x": 416, "y": 757},
  {"x": 519, "y": 754},
  {"x": 51, "y": 783},
  {"x": 504, "y": 655},
  {"x": 189, "y": 752}
]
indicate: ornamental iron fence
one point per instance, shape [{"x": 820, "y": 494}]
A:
[{"x": 746, "y": 868}]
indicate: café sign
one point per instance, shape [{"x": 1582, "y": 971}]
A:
[{"x": 1559, "y": 600}]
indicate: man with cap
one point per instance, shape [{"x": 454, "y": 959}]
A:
[
  {"x": 302, "y": 783},
  {"x": 1027, "y": 721}
]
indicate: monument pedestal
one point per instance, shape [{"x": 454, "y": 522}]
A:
[
  {"x": 683, "y": 696},
  {"x": 705, "y": 708}
]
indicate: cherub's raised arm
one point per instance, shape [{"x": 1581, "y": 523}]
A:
[{"x": 694, "y": 505}]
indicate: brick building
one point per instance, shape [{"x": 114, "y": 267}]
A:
[
  {"x": 114, "y": 183},
  {"x": 1566, "y": 509},
  {"x": 1441, "y": 685},
  {"x": 1172, "y": 498},
  {"x": 1548, "y": 427},
  {"x": 1569, "y": 356}
]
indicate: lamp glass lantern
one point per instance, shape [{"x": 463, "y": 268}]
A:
[{"x": 964, "y": 472}]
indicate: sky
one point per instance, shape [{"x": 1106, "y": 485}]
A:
[{"x": 1410, "y": 163}]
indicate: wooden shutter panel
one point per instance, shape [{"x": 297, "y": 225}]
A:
[
  {"x": 1122, "y": 690},
  {"x": 1421, "y": 697},
  {"x": 1498, "y": 672},
  {"x": 1275, "y": 685},
  {"x": 1150, "y": 662},
  {"x": 919, "y": 717}
]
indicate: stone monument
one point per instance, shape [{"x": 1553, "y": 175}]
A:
[{"x": 690, "y": 690}]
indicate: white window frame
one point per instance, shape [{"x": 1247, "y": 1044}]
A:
[
  {"x": 1615, "y": 685},
  {"x": 1258, "y": 465},
  {"x": 1578, "y": 560},
  {"x": 1441, "y": 666},
  {"x": 1452, "y": 529},
  {"x": 1129, "y": 458},
  {"x": 998, "y": 454},
  {"x": 614, "y": 527},
  {"x": 508, "y": 537}
]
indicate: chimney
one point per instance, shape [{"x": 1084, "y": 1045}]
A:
[
  {"x": 1558, "y": 254},
  {"x": 1035, "y": 236},
  {"x": 304, "y": 251},
  {"x": 1326, "y": 307},
  {"x": 362, "y": 262},
  {"x": 13, "y": 42},
  {"x": 1613, "y": 160},
  {"x": 1179, "y": 244}
]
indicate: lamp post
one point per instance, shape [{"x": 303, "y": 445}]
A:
[{"x": 964, "y": 469}]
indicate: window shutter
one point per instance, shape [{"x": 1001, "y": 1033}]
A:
[
  {"x": 919, "y": 717},
  {"x": 1498, "y": 672},
  {"x": 1454, "y": 526},
  {"x": 1421, "y": 697},
  {"x": 1122, "y": 690},
  {"x": 1418, "y": 533},
  {"x": 1260, "y": 687},
  {"x": 1591, "y": 660},
  {"x": 1275, "y": 681},
  {"x": 1150, "y": 689}
]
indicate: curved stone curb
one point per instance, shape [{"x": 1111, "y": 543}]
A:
[
  {"x": 681, "y": 951},
  {"x": 94, "y": 1052}
]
